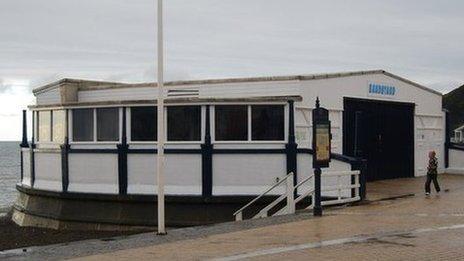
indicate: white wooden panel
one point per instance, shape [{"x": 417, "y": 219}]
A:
[
  {"x": 47, "y": 171},
  {"x": 97, "y": 173},
  {"x": 252, "y": 89},
  {"x": 429, "y": 136},
  {"x": 231, "y": 90},
  {"x": 247, "y": 174},
  {"x": 182, "y": 174},
  {"x": 456, "y": 161},
  {"x": 303, "y": 127},
  {"x": 140, "y": 93},
  {"x": 26, "y": 167}
]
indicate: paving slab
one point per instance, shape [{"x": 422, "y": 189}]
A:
[{"x": 391, "y": 227}]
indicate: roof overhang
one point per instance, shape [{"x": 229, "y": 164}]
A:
[{"x": 169, "y": 101}]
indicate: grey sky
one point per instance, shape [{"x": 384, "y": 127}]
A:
[{"x": 45, "y": 40}]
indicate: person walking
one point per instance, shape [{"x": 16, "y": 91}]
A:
[{"x": 432, "y": 173}]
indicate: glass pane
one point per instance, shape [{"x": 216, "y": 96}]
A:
[
  {"x": 108, "y": 124},
  {"x": 82, "y": 124},
  {"x": 231, "y": 122},
  {"x": 59, "y": 118},
  {"x": 144, "y": 124},
  {"x": 184, "y": 123},
  {"x": 267, "y": 122},
  {"x": 44, "y": 121}
]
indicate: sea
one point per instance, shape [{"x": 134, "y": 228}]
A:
[{"x": 9, "y": 173}]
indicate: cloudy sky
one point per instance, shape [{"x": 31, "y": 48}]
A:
[{"x": 42, "y": 41}]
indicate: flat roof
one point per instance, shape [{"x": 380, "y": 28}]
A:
[{"x": 97, "y": 85}]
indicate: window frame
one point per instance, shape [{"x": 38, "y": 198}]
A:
[
  {"x": 94, "y": 140},
  {"x": 202, "y": 127},
  {"x": 53, "y": 124},
  {"x": 37, "y": 128},
  {"x": 249, "y": 118}
]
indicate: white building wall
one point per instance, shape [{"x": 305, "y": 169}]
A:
[
  {"x": 96, "y": 173},
  {"x": 429, "y": 119},
  {"x": 48, "y": 171},
  {"x": 247, "y": 174},
  {"x": 182, "y": 174}
]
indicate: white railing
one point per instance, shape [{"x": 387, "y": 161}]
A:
[
  {"x": 290, "y": 206},
  {"x": 290, "y": 191},
  {"x": 339, "y": 187}
]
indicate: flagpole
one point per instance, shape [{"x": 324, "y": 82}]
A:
[{"x": 160, "y": 107}]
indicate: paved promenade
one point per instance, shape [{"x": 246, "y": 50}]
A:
[{"x": 400, "y": 223}]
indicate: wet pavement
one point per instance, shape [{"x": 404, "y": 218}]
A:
[{"x": 398, "y": 223}]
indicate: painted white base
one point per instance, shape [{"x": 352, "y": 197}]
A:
[
  {"x": 141, "y": 189},
  {"x": 459, "y": 171},
  {"x": 246, "y": 190},
  {"x": 93, "y": 188}
]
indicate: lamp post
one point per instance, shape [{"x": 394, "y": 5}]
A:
[{"x": 160, "y": 114}]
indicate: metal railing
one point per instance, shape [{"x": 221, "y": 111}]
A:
[{"x": 290, "y": 192}]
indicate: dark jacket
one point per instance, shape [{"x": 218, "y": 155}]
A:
[{"x": 433, "y": 165}]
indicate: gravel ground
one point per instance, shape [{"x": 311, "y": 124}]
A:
[{"x": 14, "y": 236}]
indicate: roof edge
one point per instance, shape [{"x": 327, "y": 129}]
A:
[
  {"x": 60, "y": 82},
  {"x": 95, "y": 85}
]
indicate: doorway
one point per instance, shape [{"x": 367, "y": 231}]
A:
[{"x": 381, "y": 132}]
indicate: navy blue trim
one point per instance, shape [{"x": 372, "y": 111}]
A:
[
  {"x": 103, "y": 151},
  {"x": 207, "y": 159},
  {"x": 51, "y": 125},
  {"x": 249, "y": 151},
  {"x": 447, "y": 139},
  {"x": 24, "y": 143},
  {"x": 65, "y": 165},
  {"x": 122, "y": 157},
  {"x": 166, "y": 151},
  {"x": 455, "y": 146},
  {"x": 291, "y": 147},
  {"x": 32, "y": 146},
  {"x": 306, "y": 151},
  {"x": 22, "y": 165},
  {"x": 65, "y": 157},
  {"x": 184, "y": 151}
]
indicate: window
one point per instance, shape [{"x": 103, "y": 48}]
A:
[
  {"x": 267, "y": 122},
  {"x": 108, "y": 124},
  {"x": 143, "y": 124},
  {"x": 83, "y": 125},
  {"x": 58, "y": 128},
  {"x": 44, "y": 126},
  {"x": 231, "y": 122},
  {"x": 184, "y": 123}
]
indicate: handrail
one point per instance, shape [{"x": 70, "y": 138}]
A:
[
  {"x": 261, "y": 195},
  {"x": 339, "y": 187},
  {"x": 304, "y": 181},
  {"x": 292, "y": 189}
]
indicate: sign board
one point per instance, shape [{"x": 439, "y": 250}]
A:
[
  {"x": 382, "y": 90},
  {"x": 321, "y": 138},
  {"x": 322, "y": 142}
]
